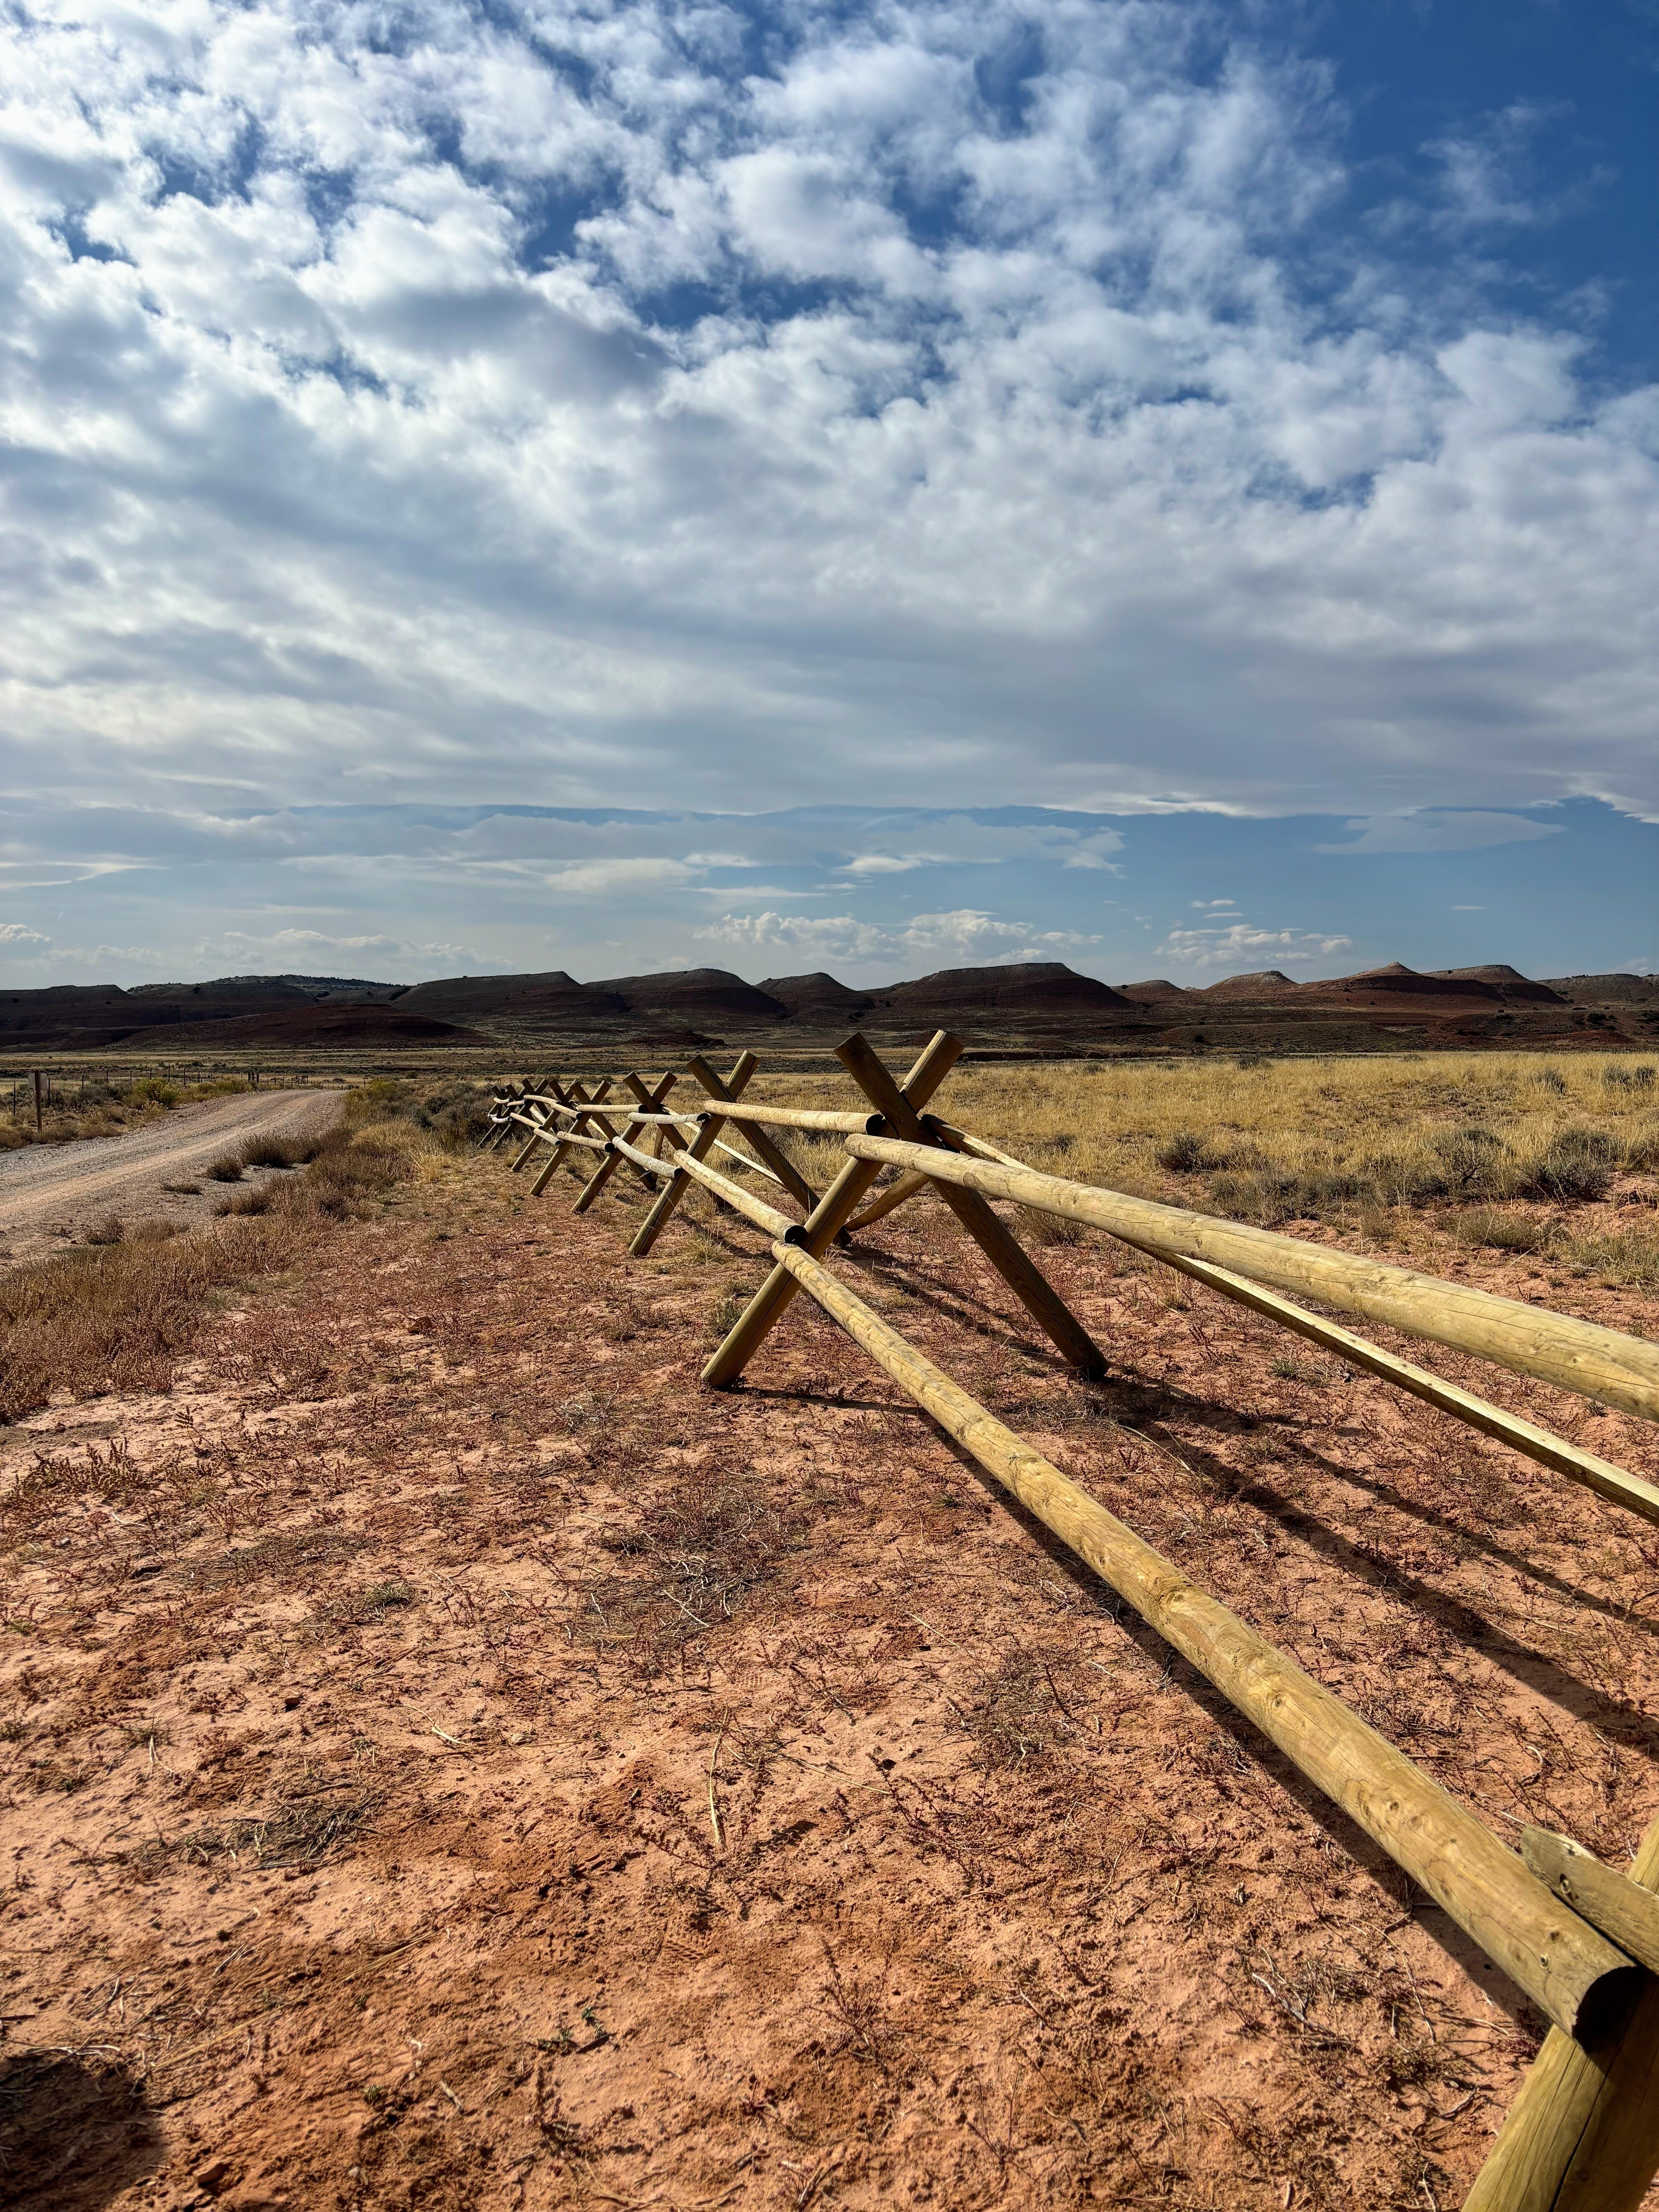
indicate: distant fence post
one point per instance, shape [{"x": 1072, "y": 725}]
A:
[{"x": 37, "y": 1102}]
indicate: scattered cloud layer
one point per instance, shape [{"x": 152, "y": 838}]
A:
[
  {"x": 667, "y": 404},
  {"x": 1242, "y": 948},
  {"x": 400, "y": 893},
  {"x": 1434, "y": 830},
  {"x": 965, "y": 937}
]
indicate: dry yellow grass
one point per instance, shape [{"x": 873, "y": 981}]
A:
[
  {"x": 116, "y": 1314},
  {"x": 1364, "y": 1142},
  {"x": 1390, "y": 1123}
]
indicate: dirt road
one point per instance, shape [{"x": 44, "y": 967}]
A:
[{"x": 52, "y": 1194}]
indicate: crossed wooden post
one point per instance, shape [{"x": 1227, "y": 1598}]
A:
[
  {"x": 576, "y": 1098},
  {"x": 901, "y": 1107},
  {"x": 650, "y": 1102},
  {"x": 503, "y": 1129},
  {"x": 1582, "y": 2133},
  {"x": 541, "y": 1114}
]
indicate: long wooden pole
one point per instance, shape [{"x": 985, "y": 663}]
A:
[
  {"x": 1625, "y": 1910},
  {"x": 755, "y": 1167},
  {"x": 806, "y": 1117},
  {"x": 1582, "y": 2133},
  {"x": 707, "y": 1133},
  {"x": 1570, "y": 1970},
  {"x": 734, "y": 1195},
  {"x": 648, "y": 1099},
  {"x": 781, "y": 1166},
  {"x": 1525, "y": 1436},
  {"x": 1579, "y": 1355},
  {"x": 555, "y": 1159},
  {"x": 825, "y": 1222},
  {"x": 993, "y": 1235}
]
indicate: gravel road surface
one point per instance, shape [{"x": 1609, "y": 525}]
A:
[{"x": 52, "y": 1194}]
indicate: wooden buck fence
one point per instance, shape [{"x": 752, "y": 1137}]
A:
[{"x": 1581, "y": 1939}]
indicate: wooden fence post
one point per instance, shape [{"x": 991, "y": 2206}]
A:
[
  {"x": 648, "y": 1100},
  {"x": 825, "y": 1223},
  {"x": 544, "y": 1174},
  {"x": 993, "y": 1235},
  {"x": 699, "y": 1148},
  {"x": 780, "y": 1165},
  {"x": 37, "y": 1102},
  {"x": 542, "y": 1115},
  {"x": 1582, "y": 2133}
]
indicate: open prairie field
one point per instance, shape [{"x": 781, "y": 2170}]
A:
[{"x": 452, "y": 1760}]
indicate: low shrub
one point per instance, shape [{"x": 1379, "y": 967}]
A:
[
  {"x": 1186, "y": 1152},
  {"x": 1627, "y": 1257},
  {"x": 1036, "y": 1227},
  {"x": 116, "y": 1317},
  {"x": 258, "y": 1200},
  {"x": 1267, "y": 1199},
  {"x": 227, "y": 1168},
  {"x": 1503, "y": 1232},
  {"x": 277, "y": 1151},
  {"x": 347, "y": 1170},
  {"x": 1575, "y": 1163}
]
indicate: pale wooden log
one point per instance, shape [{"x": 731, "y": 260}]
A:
[
  {"x": 825, "y": 1222},
  {"x": 988, "y": 1230},
  {"x": 898, "y": 1193},
  {"x": 1524, "y": 1437},
  {"x": 1579, "y": 1355},
  {"x": 622, "y": 1112},
  {"x": 678, "y": 1183},
  {"x": 783, "y": 1168},
  {"x": 1572, "y": 1973},
  {"x": 1620, "y": 1907},
  {"x": 555, "y": 1159},
  {"x": 804, "y": 1117},
  {"x": 649, "y": 1100},
  {"x": 1582, "y": 2133},
  {"x": 757, "y": 1167},
  {"x": 733, "y": 1194},
  {"x": 538, "y": 1134},
  {"x": 503, "y": 1110}
]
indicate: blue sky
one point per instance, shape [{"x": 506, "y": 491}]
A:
[{"x": 1137, "y": 455}]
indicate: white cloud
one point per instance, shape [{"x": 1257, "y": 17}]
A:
[
  {"x": 19, "y": 932},
  {"x": 1241, "y": 945},
  {"x": 653, "y": 424},
  {"x": 964, "y": 937},
  {"x": 282, "y": 949},
  {"x": 603, "y": 879},
  {"x": 1464, "y": 831}
]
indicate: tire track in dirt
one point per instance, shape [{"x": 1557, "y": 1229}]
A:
[{"x": 52, "y": 1194}]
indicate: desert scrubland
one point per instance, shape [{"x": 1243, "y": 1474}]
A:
[{"x": 451, "y": 1759}]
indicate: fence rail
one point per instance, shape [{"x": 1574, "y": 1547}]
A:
[{"x": 1581, "y": 1939}]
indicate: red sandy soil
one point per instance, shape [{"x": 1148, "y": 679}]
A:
[{"x": 451, "y": 1761}]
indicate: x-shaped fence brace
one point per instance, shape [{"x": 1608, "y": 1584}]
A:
[{"x": 1582, "y": 1941}]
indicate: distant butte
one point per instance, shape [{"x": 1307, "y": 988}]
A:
[{"x": 1033, "y": 1006}]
